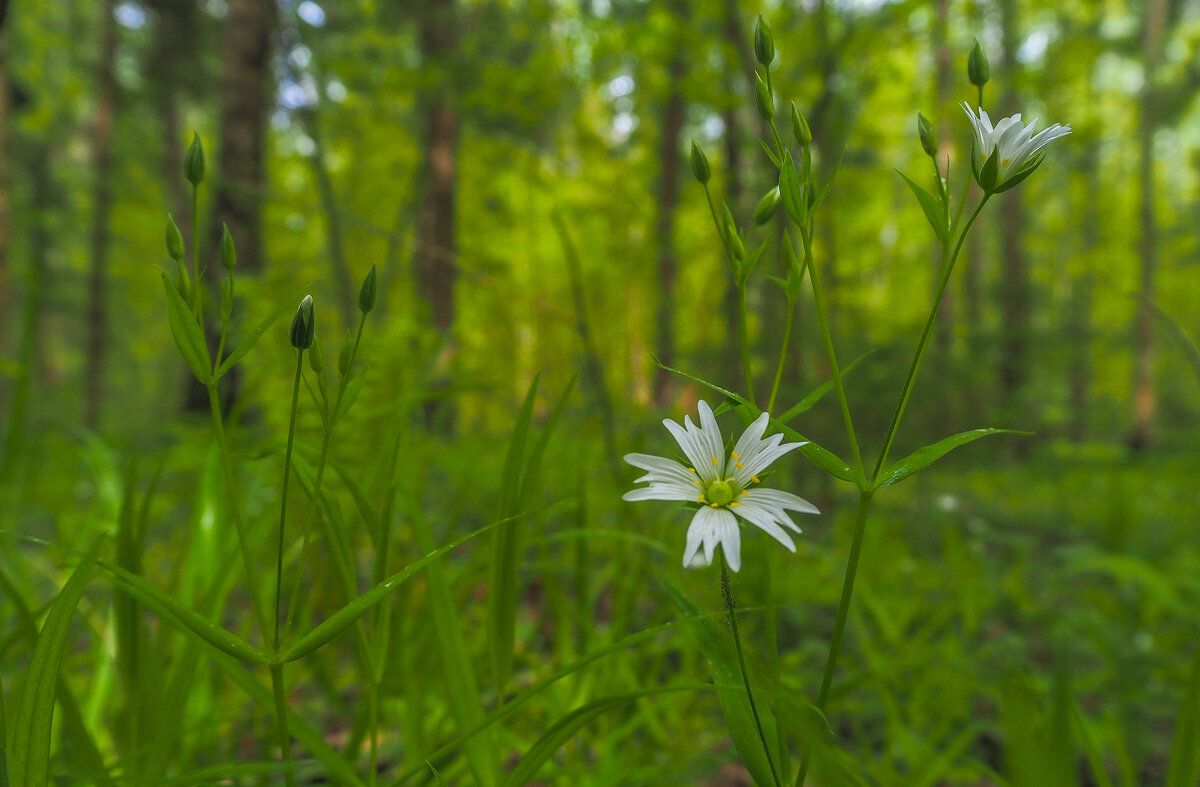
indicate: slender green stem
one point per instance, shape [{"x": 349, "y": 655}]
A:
[
  {"x": 839, "y": 627},
  {"x": 731, "y": 612},
  {"x": 287, "y": 472},
  {"x": 712, "y": 209},
  {"x": 281, "y": 725},
  {"x": 827, "y": 338},
  {"x": 787, "y": 334},
  {"x": 236, "y": 509},
  {"x": 744, "y": 341},
  {"x": 906, "y": 391},
  {"x": 224, "y": 327},
  {"x": 197, "y": 300}
]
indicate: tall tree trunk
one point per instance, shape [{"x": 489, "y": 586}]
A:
[
  {"x": 664, "y": 222},
  {"x": 436, "y": 267},
  {"x": 164, "y": 64},
  {"x": 1014, "y": 279},
  {"x": 1079, "y": 312},
  {"x": 1143, "y": 397},
  {"x": 96, "y": 325},
  {"x": 4, "y": 155},
  {"x": 944, "y": 336},
  {"x": 346, "y": 292}
]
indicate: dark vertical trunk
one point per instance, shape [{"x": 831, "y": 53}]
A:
[
  {"x": 1143, "y": 396},
  {"x": 247, "y": 96},
  {"x": 165, "y": 63},
  {"x": 96, "y": 322},
  {"x": 664, "y": 223},
  {"x": 1079, "y": 326},
  {"x": 4, "y": 155},
  {"x": 339, "y": 267},
  {"x": 1014, "y": 278},
  {"x": 944, "y": 336}
]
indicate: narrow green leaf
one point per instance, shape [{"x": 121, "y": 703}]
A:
[
  {"x": 249, "y": 342},
  {"x": 771, "y": 154},
  {"x": 506, "y": 549},
  {"x": 828, "y": 187},
  {"x": 923, "y": 457},
  {"x": 31, "y": 739},
  {"x": 932, "y": 208},
  {"x": 189, "y": 338},
  {"x": 1184, "y": 768},
  {"x": 717, "y": 647},
  {"x": 818, "y": 393},
  {"x": 821, "y": 457},
  {"x": 791, "y": 191},
  {"x": 1093, "y": 754},
  {"x": 1190, "y": 350},
  {"x": 462, "y": 690}
]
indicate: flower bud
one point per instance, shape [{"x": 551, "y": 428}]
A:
[
  {"x": 762, "y": 98},
  {"x": 303, "y": 325},
  {"x": 700, "y": 166},
  {"x": 800, "y": 129},
  {"x": 316, "y": 359},
  {"x": 344, "y": 355},
  {"x": 366, "y": 293},
  {"x": 228, "y": 250},
  {"x": 978, "y": 68},
  {"x": 928, "y": 138},
  {"x": 764, "y": 42},
  {"x": 174, "y": 239},
  {"x": 736, "y": 248},
  {"x": 766, "y": 207},
  {"x": 193, "y": 161}
]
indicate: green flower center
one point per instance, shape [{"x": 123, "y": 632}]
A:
[{"x": 721, "y": 492}]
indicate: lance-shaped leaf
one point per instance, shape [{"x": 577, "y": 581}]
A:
[
  {"x": 189, "y": 338},
  {"x": 818, "y": 393},
  {"x": 249, "y": 341},
  {"x": 931, "y": 206},
  {"x": 792, "y": 192},
  {"x": 31, "y": 738},
  {"x": 923, "y": 457}
]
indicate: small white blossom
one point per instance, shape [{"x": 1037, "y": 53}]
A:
[
  {"x": 1012, "y": 143},
  {"x": 723, "y": 486}
]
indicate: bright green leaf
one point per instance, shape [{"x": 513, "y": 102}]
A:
[
  {"x": 933, "y": 209},
  {"x": 923, "y": 457},
  {"x": 189, "y": 337}
]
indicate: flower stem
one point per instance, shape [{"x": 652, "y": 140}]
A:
[
  {"x": 197, "y": 300},
  {"x": 235, "y": 508},
  {"x": 287, "y": 468},
  {"x": 731, "y": 612},
  {"x": 787, "y": 334},
  {"x": 744, "y": 341},
  {"x": 839, "y": 627},
  {"x": 947, "y": 268},
  {"x": 285, "y": 738}
]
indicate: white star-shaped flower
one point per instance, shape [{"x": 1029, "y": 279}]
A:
[
  {"x": 1006, "y": 154},
  {"x": 723, "y": 486}
]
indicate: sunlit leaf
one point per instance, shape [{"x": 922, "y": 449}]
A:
[
  {"x": 923, "y": 457},
  {"x": 189, "y": 337},
  {"x": 933, "y": 209}
]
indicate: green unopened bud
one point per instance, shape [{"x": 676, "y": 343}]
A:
[
  {"x": 979, "y": 71},
  {"x": 766, "y": 206},
  {"x": 303, "y": 325},
  {"x": 928, "y": 138},
  {"x": 764, "y": 42},
  {"x": 316, "y": 359},
  {"x": 762, "y": 98},
  {"x": 185, "y": 282},
  {"x": 193, "y": 161},
  {"x": 174, "y": 239},
  {"x": 344, "y": 355},
  {"x": 736, "y": 248},
  {"x": 800, "y": 129},
  {"x": 700, "y": 166},
  {"x": 228, "y": 250},
  {"x": 366, "y": 293}
]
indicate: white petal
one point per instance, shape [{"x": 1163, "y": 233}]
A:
[
  {"x": 691, "y": 448},
  {"x": 695, "y": 536},
  {"x": 712, "y": 436},
  {"x": 750, "y": 438},
  {"x": 782, "y": 500},
  {"x": 660, "y": 469},
  {"x": 667, "y": 491},
  {"x": 725, "y": 532},
  {"x": 763, "y": 458},
  {"x": 765, "y": 520}
]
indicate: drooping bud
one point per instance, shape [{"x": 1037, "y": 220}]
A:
[
  {"x": 764, "y": 42},
  {"x": 700, "y": 166},
  {"x": 303, "y": 325},
  {"x": 762, "y": 98},
  {"x": 228, "y": 250},
  {"x": 344, "y": 355},
  {"x": 979, "y": 71},
  {"x": 766, "y": 207},
  {"x": 316, "y": 359},
  {"x": 928, "y": 138},
  {"x": 800, "y": 129},
  {"x": 174, "y": 239},
  {"x": 193, "y": 161},
  {"x": 366, "y": 293}
]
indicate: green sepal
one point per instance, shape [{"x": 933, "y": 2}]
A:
[
  {"x": 932, "y": 207},
  {"x": 763, "y": 99},
  {"x": 700, "y": 168},
  {"x": 188, "y": 335},
  {"x": 304, "y": 325},
  {"x": 174, "y": 239},
  {"x": 193, "y": 161},
  {"x": 791, "y": 191},
  {"x": 367, "y": 292},
  {"x": 923, "y": 457},
  {"x": 1021, "y": 174},
  {"x": 764, "y": 43},
  {"x": 766, "y": 207},
  {"x": 988, "y": 172}
]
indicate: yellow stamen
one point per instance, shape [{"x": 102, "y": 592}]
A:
[
  {"x": 700, "y": 499},
  {"x": 714, "y": 505},
  {"x": 754, "y": 478},
  {"x": 745, "y": 493},
  {"x": 697, "y": 483},
  {"x": 714, "y": 461},
  {"x": 738, "y": 465},
  {"x": 735, "y": 504},
  {"x": 735, "y": 456}
]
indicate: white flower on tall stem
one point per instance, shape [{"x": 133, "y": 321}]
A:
[
  {"x": 723, "y": 486},
  {"x": 1007, "y": 153}
]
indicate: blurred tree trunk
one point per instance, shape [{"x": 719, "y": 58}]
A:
[
  {"x": 671, "y": 128},
  {"x": 944, "y": 336},
  {"x": 731, "y": 366},
  {"x": 346, "y": 292},
  {"x": 165, "y": 68},
  {"x": 436, "y": 248},
  {"x": 96, "y": 322},
  {"x": 1154, "y": 23},
  {"x": 1014, "y": 278},
  {"x": 1079, "y": 310},
  {"x": 5, "y": 90}
]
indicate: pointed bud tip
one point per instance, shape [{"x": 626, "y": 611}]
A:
[
  {"x": 764, "y": 42},
  {"x": 367, "y": 292},
  {"x": 700, "y": 168},
  {"x": 303, "y": 325},
  {"x": 979, "y": 71},
  {"x": 193, "y": 161}
]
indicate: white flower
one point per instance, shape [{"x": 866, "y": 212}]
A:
[
  {"x": 1007, "y": 153},
  {"x": 723, "y": 486}
]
